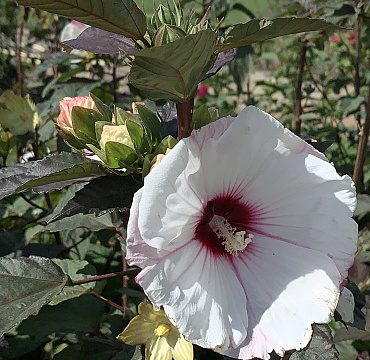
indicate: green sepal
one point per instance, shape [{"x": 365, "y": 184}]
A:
[
  {"x": 83, "y": 122},
  {"x": 122, "y": 116},
  {"x": 147, "y": 165},
  {"x": 104, "y": 110},
  {"x": 120, "y": 156},
  {"x": 168, "y": 142},
  {"x": 99, "y": 129},
  {"x": 152, "y": 122},
  {"x": 98, "y": 152},
  {"x": 69, "y": 138},
  {"x": 138, "y": 137}
]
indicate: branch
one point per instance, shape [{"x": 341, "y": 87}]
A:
[
  {"x": 362, "y": 147},
  {"x": 298, "y": 90},
  {"x": 119, "y": 307},
  {"x": 103, "y": 277},
  {"x": 184, "y": 117}
]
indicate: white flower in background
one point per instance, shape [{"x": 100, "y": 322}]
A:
[{"x": 244, "y": 234}]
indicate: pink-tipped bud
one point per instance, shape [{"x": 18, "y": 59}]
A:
[{"x": 65, "y": 117}]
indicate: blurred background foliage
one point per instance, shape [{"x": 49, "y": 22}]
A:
[{"x": 316, "y": 85}]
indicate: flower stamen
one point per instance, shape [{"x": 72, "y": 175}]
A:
[{"x": 234, "y": 241}]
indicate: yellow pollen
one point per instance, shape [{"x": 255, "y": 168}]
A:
[
  {"x": 234, "y": 241},
  {"x": 163, "y": 330}
]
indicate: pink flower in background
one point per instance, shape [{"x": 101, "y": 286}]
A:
[
  {"x": 202, "y": 91},
  {"x": 352, "y": 37},
  {"x": 244, "y": 235},
  {"x": 334, "y": 39},
  {"x": 65, "y": 117}
]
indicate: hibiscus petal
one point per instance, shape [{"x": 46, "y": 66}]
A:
[
  {"x": 190, "y": 284},
  {"x": 286, "y": 194},
  {"x": 287, "y": 288}
]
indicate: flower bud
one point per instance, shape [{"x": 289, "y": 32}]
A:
[
  {"x": 65, "y": 117},
  {"x": 117, "y": 134}
]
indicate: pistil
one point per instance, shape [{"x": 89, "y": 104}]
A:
[{"x": 234, "y": 241}]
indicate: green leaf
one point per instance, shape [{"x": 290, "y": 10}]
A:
[
  {"x": 55, "y": 59},
  {"x": 76, "y": 270},
  {"x": 95, "y": 197},
  {"x": 53, "y": 172},
  {"x": 26, "y": 284},
  {"x": 98, "y": 349},
  {"x": 167, "y": 143},
  {"x": 120, "y": 17},
  {"x": 7, "y": 141},
  {"x": 258, "y": 30},
  {"x": 321, "y": 346},
  {"x": 363, "y": 205},
  {"x": 89, "y": 221},
  {"x": 11, "y": 241},
  {"x": 173, "y": 71},
  {"x": 360, "y": 301},
  {"x": 201, "y": 117},
  {"x": 119, "y": 155},
  {"x": 82, "y": 315},
  {"x": 19, "y": 116},
  {"x": 351, "y": 105}
]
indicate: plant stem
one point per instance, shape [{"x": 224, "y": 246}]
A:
[
  {"x": 362, "y": 147},
  {"x": 184, "y": 116},
  {"x": 19, "y": 52},
  {"x": 105, "y": 276},
  {"x": 119, "y": 307},
  {"x": 298, "y": 90},
  {"x": 357, "y": 80},
  {"x": 55, "y": 43},
  {"x": 32, "y": 203},
  {"x": 125, "y": 280}
]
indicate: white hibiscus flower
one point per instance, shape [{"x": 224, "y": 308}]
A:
[{"x": 244, "y": 234}]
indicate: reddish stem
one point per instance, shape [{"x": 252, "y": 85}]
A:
[
  {"x": 119, "y": 307},
  {"x": 105, "y": 276},
  {"x": 298, "y": 91},
  {"x": 184, "y": 117}
]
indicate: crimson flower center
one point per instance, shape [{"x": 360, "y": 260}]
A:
[{"x": 223, "y": 226}]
